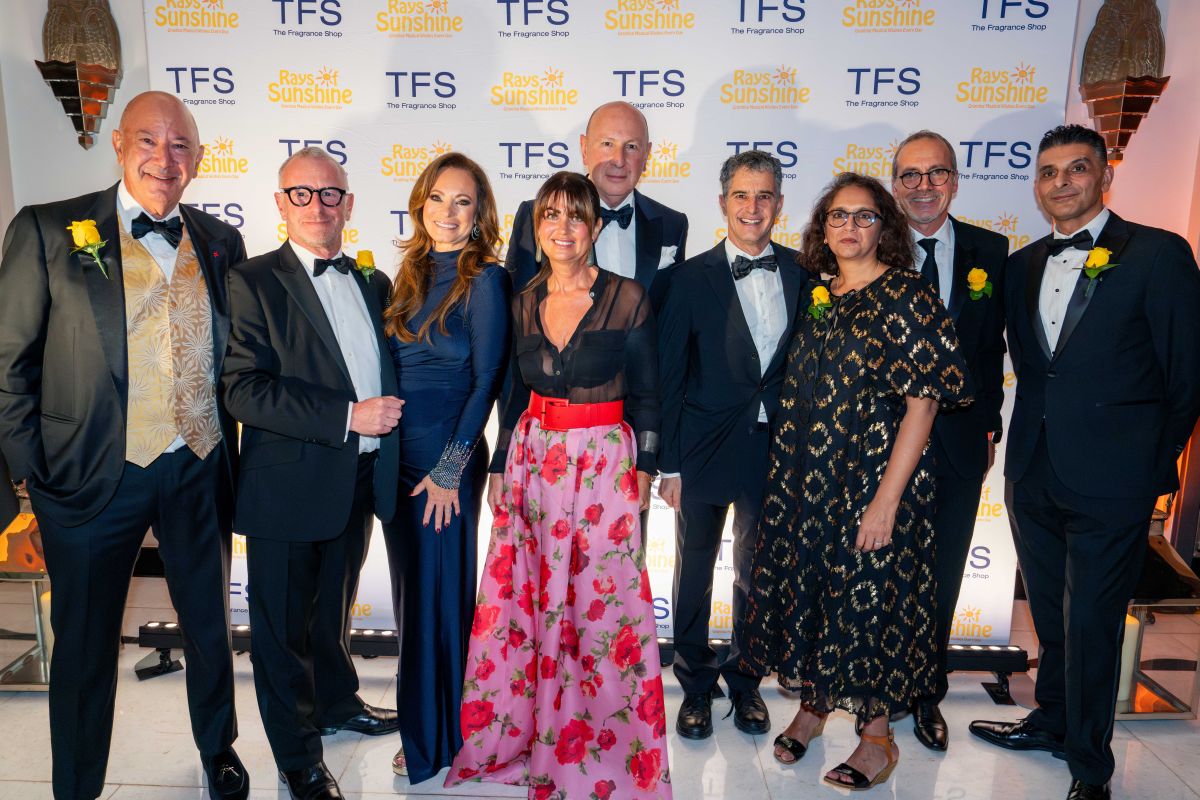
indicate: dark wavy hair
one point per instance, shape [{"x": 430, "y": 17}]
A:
[
  {"x": 895, "y": 247},
  {"x": 579, "y": 198}
]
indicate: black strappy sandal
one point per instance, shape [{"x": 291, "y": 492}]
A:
[{"x": 794, "y": 748}]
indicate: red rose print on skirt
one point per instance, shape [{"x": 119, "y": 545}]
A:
[
  {"x": 554, "y": 465},
  {"x": 476, "y": 716},
  {"x": 573, "y": 741}
]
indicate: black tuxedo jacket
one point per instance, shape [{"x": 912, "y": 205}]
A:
[
  {"x": 1120, "y": 394},
  {"x": 657, "y": 227},
  {"x": 711, "y": 381},
  {"x": 64, "y": 372},
  {"x": 960, "y": 436},
  {"x": 286, "y": 381}
]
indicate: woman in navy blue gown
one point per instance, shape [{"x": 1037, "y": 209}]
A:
[{"x": 448, "y": 325}]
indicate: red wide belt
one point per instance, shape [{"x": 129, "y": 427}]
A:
[{"x": 555, "y": 414}]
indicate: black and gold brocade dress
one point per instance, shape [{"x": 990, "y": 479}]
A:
[{"x": 847, "y": 629}]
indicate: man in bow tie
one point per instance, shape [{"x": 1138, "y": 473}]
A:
[
  {"x": 1103, "y": 323},
  {"x": 924, "y": 182},
  {"x": 723, "y": 334},
  {"x": 310, "y": 377},
  {"x": 640, "y": 236},
  {"x": 109, "y": 412}
]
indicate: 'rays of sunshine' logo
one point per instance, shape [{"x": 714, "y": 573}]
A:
[
  {"x": 764, "y": 88},
  {"x": 1005, "y": 224},
  {"x": 648, "y": 18},
  {"x": 887, "y": 16},
  {"x": 320, "y": 89},
  {"x": 782, "y": 232},
  {"x": 547, "y": 90},
  {"x": 867, "y": 159},
  {"x": 664, "y": 166},
  {"x": 968, "y": 624},
  {"x": 195, "y": 16},
  {"x": 1002, "y": 88},
  {"x": 413, "y": 19},
  {"x": 405, "y": 162},
  {"x": 221, "y": 161}
]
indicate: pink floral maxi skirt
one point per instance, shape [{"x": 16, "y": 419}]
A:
[{"x": 563, "y": 690}]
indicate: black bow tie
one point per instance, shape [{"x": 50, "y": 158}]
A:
[
  {"x": 170, "y": 229},
  {"x": 341, "y": 264},
  {"x": 1082, "y": 240},
  {"x": 742, "y": 266},
  {"x": 623, "y": 215}
]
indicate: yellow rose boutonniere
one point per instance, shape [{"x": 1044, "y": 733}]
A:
[
  {"x": 821, "y": 302},
  {"x": 87, "y": 240},
  {"x": 365, "y": 263},
  {"x": 1097, "y": 264},
  {"x": 978, "y": 283}
]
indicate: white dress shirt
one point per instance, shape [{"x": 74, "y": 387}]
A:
[
  {"x": 943, "y": 253},
  {"x": 1059, "y": 279},
  {"x": 346, "y": 310},
  {"x": 761, "y": 296},
  {"x": 616, "y": 249}
]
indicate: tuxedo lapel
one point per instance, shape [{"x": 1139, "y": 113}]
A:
[
  {"x": 1113, "y": 238},
  {"x": 213, "y": 256},
  {"x": 720, "y": 278},
  {"x": 107, "y": 295},
  {"x": 649, "y": 242},
  {"x": 1036, "y": 268},
  {"x": 297, "y": 283}
]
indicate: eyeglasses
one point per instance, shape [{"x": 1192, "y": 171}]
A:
[
  {"x": 937, "y": 177},
  {"x": 331, "y": 196},
  {"x": 838, "y": 218}
]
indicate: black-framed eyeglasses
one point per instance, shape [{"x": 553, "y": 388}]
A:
[
  {"x": 837, "y": 218},
  {"x": 937, "y": 177},
  {"x": 331, "y": 196}
]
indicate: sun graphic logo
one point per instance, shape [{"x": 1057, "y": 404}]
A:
[
  {"x": 220, "y": 160},
  {"x": 887, "y": 16},
  {"x": 405, "y": 162},
  {"x": 327, "y": 77},
  {"x": 866, "y": 159},
  {"x": 533, "y": 91},
  {"x": 648, "y": 18},
  {"x": 764, "y": 88},
  {"x": 785, "y": 76},
  {"x": 417, "y": 19},
  {"x": 1015, "y": 88},
  {"x": 663, "y": 164},
  {"x": 1007, "y": 225},
  {"x": 969, "y": 625},
  {"x": 1023, "y": 73},
  {"x": 195, "y": 16}
]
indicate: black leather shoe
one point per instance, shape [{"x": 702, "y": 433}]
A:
[
  {"x": 227, "y": 778},
  {"x": 930, "y": 726},
  {"x": 1088, "y": 791},
  {"x": 371, "y": 721},
  {"x": 695, "y": 716},
  {"x": 1022, "y": 735},
  {"x": 312, "y": 783},
  {"x": 750, "y": 713}
]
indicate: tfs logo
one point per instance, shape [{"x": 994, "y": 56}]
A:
[
  {"x": 636, "y": 82},
  {"x": 999, "y": 9},
  {"x": 758, "y": 10},
  {"x": 400, "y": 215},
  {"x": 227, "y": 212},
  {"x": 326, "y": 12},
  {"x": 982, "y": 153},
  {"x": 524, "y": 12},
  {"x": 784, "y": 150},
  {"x": 335, "y": 147},
  {"x": 418, "y": 83},
  {"x": 873, "y": 80},
  {"x": 524, "y": 155},
  {"x": 193, "y": 80}
]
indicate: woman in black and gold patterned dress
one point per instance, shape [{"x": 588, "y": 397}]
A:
[{"x": 842, "y": 597}]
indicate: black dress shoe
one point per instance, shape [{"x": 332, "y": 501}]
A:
[
  {"x": 750, "y": 713},
  {"x": 695, "y": 716},
  {"x": 1089, "y": 791},
  {"x": 370, "y": 721},
  {"x": 929, "y": 725},
  {"x": 312, "y": 783},
  {"x": 227, "y": 778},
  {"x": 1022, "y": 735}
]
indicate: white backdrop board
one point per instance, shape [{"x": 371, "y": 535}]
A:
[{"x": 827, "y": 85}]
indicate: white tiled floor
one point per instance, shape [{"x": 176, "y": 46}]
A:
[{"x": 153, "y": 756}]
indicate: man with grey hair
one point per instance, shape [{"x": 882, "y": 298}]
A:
[
  {"x": 309, "y": 376},
  {"x": 964, "y": 264},
  {"x": 732, "y": 309}
]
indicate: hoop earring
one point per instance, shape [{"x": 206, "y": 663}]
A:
[{"x": 475, "y": 231}]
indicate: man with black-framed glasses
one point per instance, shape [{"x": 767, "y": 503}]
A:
[
  {"x": 309, "y": 376},
  {"x": 955, "y": 258}
]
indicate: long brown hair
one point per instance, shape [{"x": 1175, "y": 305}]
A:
[
  {"x": 895, "y": 248},
  {"x": 415, "y": 275},
  {"x": 579, "y": 198}
]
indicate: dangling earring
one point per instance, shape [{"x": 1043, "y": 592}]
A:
[
  {"x": 537, "y": 253},
  {"x": 591, "y": 259},
  {"x": 475, "y": 231}
]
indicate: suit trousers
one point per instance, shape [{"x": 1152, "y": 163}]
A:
[
  {"x": 300, "y": 597},
  {"x": 1080, "y": 559},
  {"x": 90, "y": 567}
]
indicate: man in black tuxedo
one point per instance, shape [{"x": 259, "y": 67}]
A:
[
  {"x": 723, "y": 334},
  {"x": 310, "y": 377},
  {"x": 647, "y": 237},
  {"x": 924, "y": 181},
  {"x": 1108, "y": 391},
  {"x": 110, "y": 441}
]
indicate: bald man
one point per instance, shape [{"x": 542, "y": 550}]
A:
[{"x": 113, "y": 324}]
